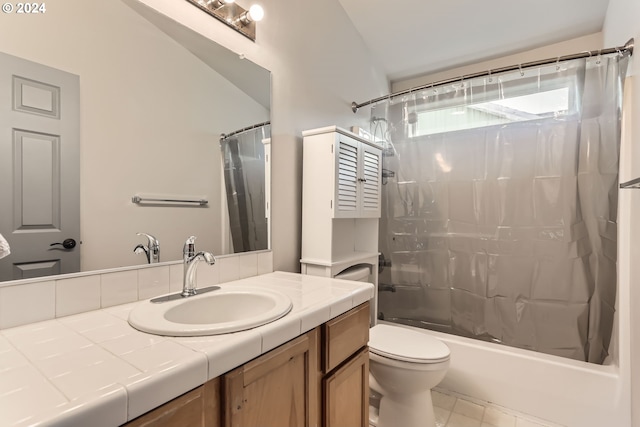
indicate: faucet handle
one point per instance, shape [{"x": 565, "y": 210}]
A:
[
  {"x": 153, "y": 248},
  {"x": 189, "y": 248},
  {"x": 151, "y": 239}
]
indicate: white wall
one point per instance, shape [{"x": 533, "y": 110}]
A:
[
  {"x": 580, "y": 44},
  {"x": 150, "y": 118},
  {"x": 621, "y": 24},
  {"x": 319, "y": 65}
]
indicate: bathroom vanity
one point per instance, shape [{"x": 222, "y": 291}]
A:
[
  {"x": 317, "y": 379},
  {"x": 309, "y": 367}
]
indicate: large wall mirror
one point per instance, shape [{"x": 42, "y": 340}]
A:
[{"x": 151, "y": 101}]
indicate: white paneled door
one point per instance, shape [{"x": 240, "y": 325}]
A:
[{"x": 39, "y": 169}]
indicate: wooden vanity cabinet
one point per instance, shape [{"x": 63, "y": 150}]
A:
[
  {"x": 345, "y": 384},
  {"x": 277, "y": 389},
  {"x": 199, "y": 407},
  {"x": 319, "y": 379}
]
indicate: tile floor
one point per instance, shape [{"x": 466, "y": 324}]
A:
[{"x": 461, "y": 411}]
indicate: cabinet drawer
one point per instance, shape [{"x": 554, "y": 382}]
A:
[{"x": 344, "y": 336}]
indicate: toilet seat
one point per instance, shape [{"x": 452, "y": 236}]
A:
[{"x": 403, "y": 344}]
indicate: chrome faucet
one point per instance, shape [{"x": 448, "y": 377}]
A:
[
  {"x": 152, "y": 250},
  {"x": 190, "y": 260}
]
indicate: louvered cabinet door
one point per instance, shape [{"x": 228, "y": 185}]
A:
[
  {"x": 371, "y": 180},
  {"x": 347, "y": 178},
  {"x": 358, "y": 179}
]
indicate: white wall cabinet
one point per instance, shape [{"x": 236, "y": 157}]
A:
[
  {"x": 357, "y": 179},
  {"x": 341, "y": 189},
  {"x": 342, "y": 173}
]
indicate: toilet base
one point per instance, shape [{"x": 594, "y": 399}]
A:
[{"x": 414, "y": 410}]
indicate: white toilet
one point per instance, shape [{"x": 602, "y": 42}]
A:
[{"x": 404, "y": 365}]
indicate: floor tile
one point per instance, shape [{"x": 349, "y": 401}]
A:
[
  {"x": 459, "y": 420},
  {"x": 521, "y": 422},
  {"x": 469, "y": 409},
  {"x": 443, "y": 400},
  {"x": 442, "y": 416},
  {"x": 496, "y": 418}
]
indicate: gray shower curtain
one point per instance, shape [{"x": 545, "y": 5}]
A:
[
  {"x": 244, "y": 180},
  {"x": 499, "y": 218}
]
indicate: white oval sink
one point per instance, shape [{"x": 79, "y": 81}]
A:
[{"x": 225, "y": 310}]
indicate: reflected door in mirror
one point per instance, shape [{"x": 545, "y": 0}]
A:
[{"x": 39, "y": 169}]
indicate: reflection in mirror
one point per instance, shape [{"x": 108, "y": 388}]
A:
[
  {"x": 243, "y": 154},
  {"x": 152, "y": 99}
]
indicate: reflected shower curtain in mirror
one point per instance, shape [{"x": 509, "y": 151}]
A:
[
  {"x": 244, "y": 179},
  {"x": 500, "y": 206}
]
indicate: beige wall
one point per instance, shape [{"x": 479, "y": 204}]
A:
[{"x": 150, "y": 117}]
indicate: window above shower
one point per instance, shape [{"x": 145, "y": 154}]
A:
[{"x": 492, "y": 102}]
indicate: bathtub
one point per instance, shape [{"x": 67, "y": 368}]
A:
[{"x": 563, "y": 391}]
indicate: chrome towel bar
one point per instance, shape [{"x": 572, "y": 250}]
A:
[{"x": 138, "y": 199}]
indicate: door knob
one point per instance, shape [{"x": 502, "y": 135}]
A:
[{"x": 66, "y": 243}]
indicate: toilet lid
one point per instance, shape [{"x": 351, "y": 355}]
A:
[{"x": 404, "y": 344}]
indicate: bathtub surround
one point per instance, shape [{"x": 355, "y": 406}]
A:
[{"x": 501, "y": 212}]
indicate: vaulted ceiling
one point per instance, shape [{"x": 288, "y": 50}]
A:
[{"x": 417, "y": 37}]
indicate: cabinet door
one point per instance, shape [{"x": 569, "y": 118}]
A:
[
  {"x": 198, "y": 408},
  {"x": 278, "y": 389},
  {"x": 358, "y": 179},
  {"x": 370, "y": 181},
  {"x": 346, "y": 393},
  {"x": 347, "y": 184}
]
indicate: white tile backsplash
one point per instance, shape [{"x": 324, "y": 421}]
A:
[
  {"x": 82, "y": 292},
  {"x": 248, "y": 265},
  {"x": 119, "y": 288},
  {"x": 153, "y": 282},
  {"x": 207, "y": 275},
  {"x": 39, "y": 297},
  {"x": 77, "y": 295},
  {"x": 229, "y": 268},
  {"x": 265, "y": 262}
]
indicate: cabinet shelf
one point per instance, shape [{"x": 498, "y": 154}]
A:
[{"x": 347, "y": 260}]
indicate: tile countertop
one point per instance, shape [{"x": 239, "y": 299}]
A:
[{"x": 94, "y": 369}]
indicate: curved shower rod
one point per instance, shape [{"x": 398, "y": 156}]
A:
[
  {"x": 224, "y": 136},
  {"x": 627, "y": 49}
]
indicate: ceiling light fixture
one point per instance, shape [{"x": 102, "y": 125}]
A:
[
  {"x": 233, "y": 15},
  {"x": 216, "y": 4},
  {"x": 254, "y": 14}
]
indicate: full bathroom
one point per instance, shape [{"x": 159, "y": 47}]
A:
[{"x": 483, "y": 252}]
